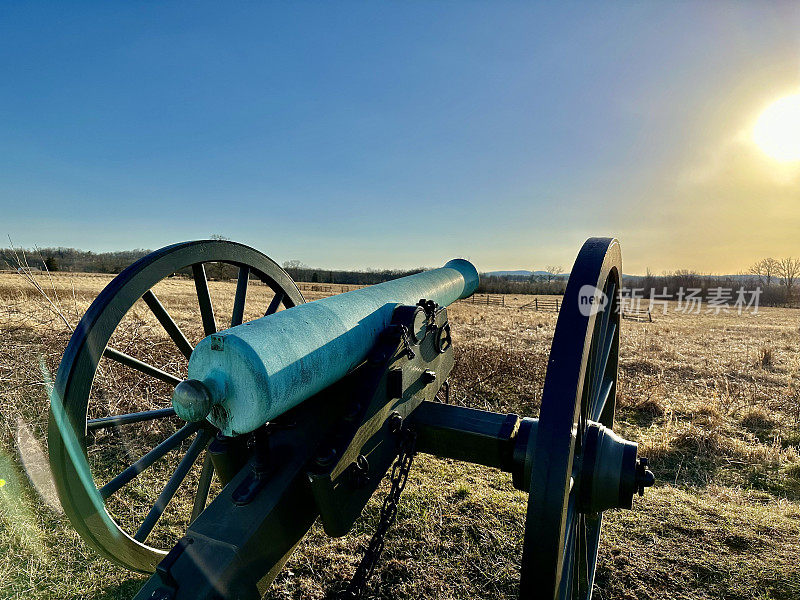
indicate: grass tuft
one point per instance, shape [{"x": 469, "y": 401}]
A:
[
  {"x": 766, "y": 357},
  {"x": 758, "y": 420}
]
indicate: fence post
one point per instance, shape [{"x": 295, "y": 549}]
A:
[{"x": 536, "y": 302}]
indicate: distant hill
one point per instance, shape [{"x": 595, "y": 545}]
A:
[
  {"x": 521, "y": 273},
  {"x": 741, "y": 277},
  {"x": 632, "y": 278}
]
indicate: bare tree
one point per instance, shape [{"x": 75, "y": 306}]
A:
[
  {"x": 552, "y": 271},
  {"x": 649, "y": 282},
  {"x": 218, "y": 270},
  {"x": 771, "y": 267},
  {"x": 294, "y": 264},
  {"x": 789, "y": 270},
  {"x": 766, "y": 269}
]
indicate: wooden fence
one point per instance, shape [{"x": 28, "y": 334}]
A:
[
  {"x": 637, "y": 314},
  {"x": 326, "y": 288},
  {"x": 543, "y": 304},
  {"x": 488, "y": 299}
]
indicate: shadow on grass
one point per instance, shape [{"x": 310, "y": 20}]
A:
[
  {"x": 120, "y": 591},
  {"x": 698, "y": 467},
  {"x": 643, "y": 414}
]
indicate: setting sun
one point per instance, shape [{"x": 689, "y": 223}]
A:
[{"x": 777, "y": 131}]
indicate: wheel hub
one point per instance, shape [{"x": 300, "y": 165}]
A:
[{"x": 610, "y": 472}]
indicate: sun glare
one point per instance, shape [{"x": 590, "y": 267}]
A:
[{"x": 777, "y": 131}]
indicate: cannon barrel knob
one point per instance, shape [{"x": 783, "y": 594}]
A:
[{"x": 192, "y": 400}]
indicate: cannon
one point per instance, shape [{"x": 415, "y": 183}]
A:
[{"x": 299, "y": 414}]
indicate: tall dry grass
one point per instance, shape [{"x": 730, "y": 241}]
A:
[{"x": 720, "y": 422}]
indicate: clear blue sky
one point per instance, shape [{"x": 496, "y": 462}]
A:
[{"x": 399, "y": 134}]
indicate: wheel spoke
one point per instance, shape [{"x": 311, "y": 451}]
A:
[
  {"x": 140, "y": 366},
  {"x": 148, "y": 459},
  {"x": 600, "y": 405},
  {"x": 568, "y": 560},
  {"x": 204, "y": 299},
  {"x": 241, "y": 294},
  {"x": 276, "y": 302},
  {"x": 581, "y": 559},
  {"x": 603, "y": 336},
  {"x": 172, "y": 485},
  {"x": 129, "y": 418},
  {"x": 605, "y": 354},
  {"x": 574, "y": 571},
  {"x": 201, "y": 497},
  {"x": 167, "y": 323},
  {"x": 588, "y": 381},
  {"x": 593, "y": 526}
]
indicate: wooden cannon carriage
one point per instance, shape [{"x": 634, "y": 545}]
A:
[{"x": 300, "y": 414}]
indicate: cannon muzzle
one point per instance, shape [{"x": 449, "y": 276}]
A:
[{"x": 247, "y": 375}]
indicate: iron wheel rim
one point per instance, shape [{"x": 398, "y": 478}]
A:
[
  {"x": 561, "y": 542},
  {"x": 76, "y": 373}
]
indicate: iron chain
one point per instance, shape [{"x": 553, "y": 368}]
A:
[
  {"x": 399, "y": 478},
  {"x": 406, "y": 342}
]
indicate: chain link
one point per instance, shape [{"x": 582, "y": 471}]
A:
[
  {"x": 406, "y": 342},
  {"x": 372, "y": 554}
]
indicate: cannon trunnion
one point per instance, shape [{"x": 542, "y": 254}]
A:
[{"x": 300, "y": 414}]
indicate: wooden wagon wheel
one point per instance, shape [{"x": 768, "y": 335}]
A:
[
  {"x": 83, "y": 502},
  {"x": 579, "y": 467}
]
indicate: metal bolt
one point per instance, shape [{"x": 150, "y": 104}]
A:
[
  {"x": 360, "y": 471},
  {"x": 644, "y": 476},
  {"x": 325, "y": 456},
  {"x": 362, "y": 463},
  {"x": 354, "y": 411}
]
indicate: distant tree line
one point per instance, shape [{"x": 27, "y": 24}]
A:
[
  {"x": 515, "y": 284},
  {"x": 778, "y": 278},
  {"x": 69, "y": 259},
  {"x": 300, "y": 272},
  {"x": 550, "y": 281},
  {"x": 84, "y": 261}
]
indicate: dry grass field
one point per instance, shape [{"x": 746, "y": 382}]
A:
[{"x": 713, "y": 400}]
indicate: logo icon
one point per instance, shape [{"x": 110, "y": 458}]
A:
[{"x": 591, "y": 300}]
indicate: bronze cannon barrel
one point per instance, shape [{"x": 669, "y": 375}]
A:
[{"x": 243, "y": 377}]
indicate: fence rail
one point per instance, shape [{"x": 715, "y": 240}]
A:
[
  {"x": 543, "y": 304},
  {"x": 637, "y": 314},
  {"x": 326, "y": 288},
  {"x": 488, "y": 299}
]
